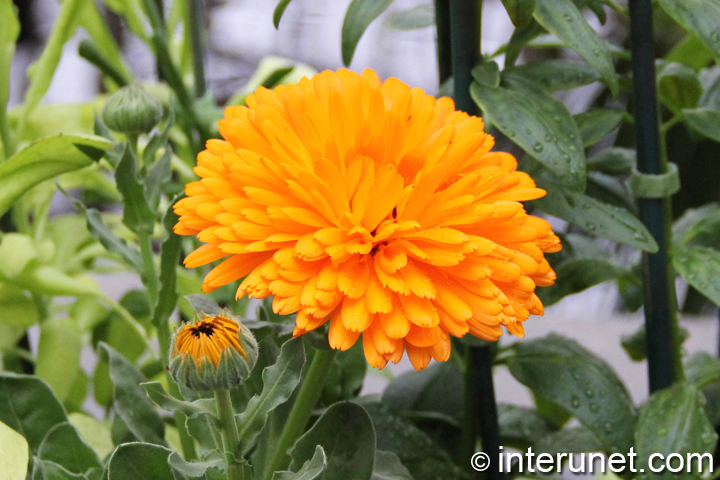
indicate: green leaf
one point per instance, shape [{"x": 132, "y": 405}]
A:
[
  {"x": 137, "y": 214},
  {"x": 310, "y": 470},
  {"x": 519, "y": 39},
  {"x": 437, "y": 388},
  {"x": 560, "y": 370},
  {"x": 198, "y": 468},
  {"x": 169, "y": 259},
  {"x": 690, "y": 51},
  {"x": 131, "y": 403},
  {"x": 700, "y": 17},
  {"x": 8, "y": 38},
  {"x": 596, "y": 124},
  {"x": 204, "y": 429},
  {"x": 521, "y": 427},
  {"x": 540, "y": 124},
  {"x": 705, "y": 121},
  {"x": 569, "y": 440},
  {"x": 140, "y": 461},
  {"x": 350, "y": 450},
  {"x": 44, "y": 160},
  {"x": 63, "y": 445},
  {"x": 17, "y": 251},
  {"x": 16, "y": 308},
  {"x": 100, "y": 230},
  {"x": 41, "y": 73},
  {"x": 47, "y": 470},
  {"x": 279, "y": 10},
  {"x": 673, "y": 421},
  {"x": 487, "y": 74},
  {"x": 388, "y": 467},
  {"x": 698, "y": 226},
  {"x": 595, "y": 217},
  {"x": 611, "y": 190},
  {"x": 159, "y": 174},
  {"x": 553, "y": 75},
  {"x": 579, "y": 274},
  {"x": 678, "y": 86},
  {"x": 14, "y": 458},
  {"x": 93, "y": 432},
  {"x": 702, "y": 369},
  {"x": 700, "y": 267},
  {"x": 58, "y": 357},
  {"x": 612, "y": 161},
  {"x": 28, "y": 406},
  {"x": 157, "y": 394},
  {"x": 563, "y": 19},
  {"x": 358, "y": 17},
  {"x": 420, "y": 16},
  {"x": 279, "y": 381},
  {"x": 520, "y": 11}
]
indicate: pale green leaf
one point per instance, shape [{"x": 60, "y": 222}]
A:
[
  {"x": 700, "y": 17},
  {"x": 700, "y": 267},
  {"x": 58, "y": 357},
  {"x": 358, "y": 17},
  {"x": 140, "y": 461},
  {"x": 421, "y": 16},
  {"x": 14, "y": 457}
]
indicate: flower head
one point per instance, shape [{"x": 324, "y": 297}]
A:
[
  {"x": 373, "y": 206},
  {"x": 213, "y": 352}
]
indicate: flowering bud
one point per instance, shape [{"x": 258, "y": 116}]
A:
[
  {"x": 131, "y": 110},
  {"x": 215, "y": 352}
]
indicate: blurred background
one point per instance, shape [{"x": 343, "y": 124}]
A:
[{"x": 240, "y": 34}]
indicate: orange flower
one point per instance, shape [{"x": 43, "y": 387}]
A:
[
  {"x": 207, "y": 339},
  {"x": 373, "y": 206}
]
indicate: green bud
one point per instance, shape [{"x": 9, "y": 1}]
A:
[
  {"x": 131, "y": 111},
  {"x": 215, "y": 352}
]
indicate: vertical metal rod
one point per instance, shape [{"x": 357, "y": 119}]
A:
[
  {"x": 486, "y": 408},
  {"x": 444, "y": 46},
  {"x": 660, "y": 304}
]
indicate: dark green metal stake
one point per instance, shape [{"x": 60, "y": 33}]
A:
[{"x": 660, "y": 304}]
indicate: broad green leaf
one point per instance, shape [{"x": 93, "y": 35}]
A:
[
  {"x": 159, "y": 174},
  {"x": 595, "y": 217},
  {"x": 700, "y": 267},
  {"x": 635, "y": 344},
  {"x": 28, "y": 406},
  {"x": 279, "y": 381},
  {"x": 710, "y": 80},
  {"x": 131, "y": 12},
  {"x": 519, "y": 39},
  {"x": 14, "y": 458},
  {"x": 204, "y": 429},
  {"x": 350, "y": 450},
  {"x": 705, "y": 121},
  {"x": 438, "y": 388},
  {"x": 47, "y": 280},
  {"x": 421, "y": 16},
  {"x": 678, "y": 86},
  {"x": 48, "y": 120},
  {"x": 569, "y": 440},
  {"x": 16, "y": 308},
  {"x": 131, "y": 403},
  {"x": 487, "y": 74},
  {"x": 553, "y": 75},
  {"x": 673, "y": 420},
  {"x": 169, "y": 258},
  {"x": 700, "y": 17},
  {"x": 346, "y": 375},
  {"x": 697, "y": 226},
  {"x": 579, "y": 274},
  {"x": 198, "y": 468},
  {"x": 540, "y": 124},
  {"x": 272, "y": 71},
  {"x": 612, "y": 161},
  {"x": 552, "y": 413},
  {"x": 8, "y": 37},
  {"x": 519, "y": 11},
  {"x": 279, "y": 10},
  {"x": 611, "y": 190},
  {"x": 140, "y": 461},
  {"x": 44, "y": 160},
  {"x": 310, "y": 470},
  {"x": 157, "y": 394},
  {"x": 521, "y": 427},
  {"x": 560, "y": 370},
  {"x": 93, "y": 432},
  {"x": 47, "y": 470},
  {"x": 137, "y": 214},
  {"x": 63, "y": 445},
  {"x": 17, "y": 251},
  {"x": 563, "y": 19},
  {"x": 358, "y": 17},
  {"x": 596, "y": 124},
  {"x": 58, "y": 357},
  {"x": 41, "y": 73},
  {"x": 690, "y": 51},
  {"x": 424, "y": 458},
  {"x": 388, "y": 467},
  {"x": 702, "y": 369}
]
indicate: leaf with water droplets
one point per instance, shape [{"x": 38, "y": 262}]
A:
[
  {"x": 578, "y": 274},
  {"x": 539, "y": 123},
  {"x": 700, "y": 267},
  {"x": 678, "y": 86},
  {"x": 701, "y": 17},
  {"x": 563, "y": 19},
  {"x": 554, "y": 75},
  {"x": 699, "y": 227},
  {"x": 563, "y": 372},
  {"x": 673, "y": 421},
  {"x": 596, "y": 124},
  {"x": 704, "y": 121}
]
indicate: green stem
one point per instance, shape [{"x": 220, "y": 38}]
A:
[
  {"x": 468, "y": 433},
  {"x": 669, "y": 124},
  {"x": 151, "y": 281},
  {"x": 230, "y": 435},
  {"x": 616, "y": 7},
  {"x": 302, "y": 409},
  {"x": 90, "y": 52},
  {"x": 194, "y": 26},
  {"x": 6, "y": 134}
]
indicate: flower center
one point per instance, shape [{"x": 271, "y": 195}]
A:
[{"x": 206, "y": 329}]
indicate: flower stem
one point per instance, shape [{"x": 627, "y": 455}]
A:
[
  {"x": 6, "y": 134},
  {"x": 230, "y": 435},
  {"x": 300, "y": 414},
  {"x": 151, "y": 281}
]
